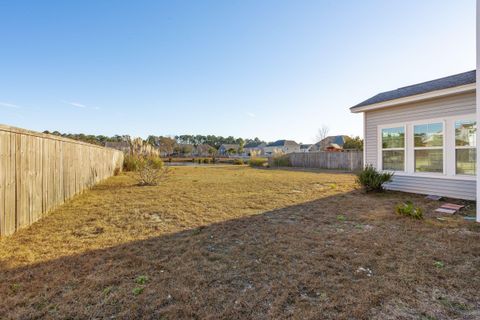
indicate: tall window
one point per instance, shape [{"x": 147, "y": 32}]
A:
[
  {"x": 393, "y": 149},
  {"x": 465, "y": 146},
  {"x": 428, "y": 147}
]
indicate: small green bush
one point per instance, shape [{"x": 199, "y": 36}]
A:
[
  {"x": 131, "y": 163},
  {"x": 238, "y": 161},
  {"x": 409, "y": 210},
  {"x": 257, "y": 162},
  {"x": 372, "y": 180},
  {"x": 281, "y": 161},
  {"x": 154, "y": 161}
]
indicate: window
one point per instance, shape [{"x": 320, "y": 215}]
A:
[
  {"x": 393, "y": 149},
  {"x": 428, "y": 147},
  {"x": 465, "y": 147}
]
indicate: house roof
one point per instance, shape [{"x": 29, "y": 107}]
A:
[
  {"x": 338, "y": 140},
  {"x": 282, "y": 143},
  {"x": 230, "y": 146},
  {"x": 424, "y": 87},
  {"x": 253, "y": 144}
]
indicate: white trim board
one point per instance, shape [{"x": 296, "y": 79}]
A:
[{"x": 416, "y": 98}]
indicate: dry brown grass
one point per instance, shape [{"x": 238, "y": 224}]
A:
[{"x": 235, "y": 243}]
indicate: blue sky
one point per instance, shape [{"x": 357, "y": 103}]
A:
[{"x": 273, "y": 69}]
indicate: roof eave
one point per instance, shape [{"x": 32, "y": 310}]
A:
[{"x": 416, "y": 98}]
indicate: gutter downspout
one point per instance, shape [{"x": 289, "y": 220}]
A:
[{"x": 478, "y": 108}]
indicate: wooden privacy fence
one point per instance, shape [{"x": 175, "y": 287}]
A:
[
  {"x": 39, "y": 171},
  {"x": 351, "y": 160}
]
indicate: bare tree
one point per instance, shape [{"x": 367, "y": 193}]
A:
[{"x": 322, "y": 133}]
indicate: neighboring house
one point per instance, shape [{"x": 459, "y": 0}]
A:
[
  {"x": 254, "y": 148},
  {"x": 305, "y": 147},
  {"x": 227, "y": 149},
  {"x": 426, "y": 135},
  {"x": 123, "y": 146},
  {"x": 330, "y": 143},
  {"x": 333, "y": 147},
  {"x": 202, "y": 150},
  {"x": 281, "y": 146}
]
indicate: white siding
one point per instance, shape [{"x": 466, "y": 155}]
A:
[{"x": 435, "y": 108}]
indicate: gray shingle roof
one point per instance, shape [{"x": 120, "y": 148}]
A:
[
  {"x": 424, "y": 87},
  {"x": 281, "y": 143}
]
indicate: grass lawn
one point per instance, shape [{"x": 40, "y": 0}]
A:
[{"x": 233, "y": 242}]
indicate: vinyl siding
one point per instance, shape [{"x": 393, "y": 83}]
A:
[
  {"x": 435, "y": 108},
  {"x": 459, "y": 189}
]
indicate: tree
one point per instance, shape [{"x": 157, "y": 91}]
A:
[
  {"x": 353, "y": 143},
  {"x": 322, "y": 133}
]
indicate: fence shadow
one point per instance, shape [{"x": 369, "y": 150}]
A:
[{"x": 344, "y": 256}]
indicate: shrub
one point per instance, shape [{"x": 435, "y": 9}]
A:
[
  {"x": 281, "y": 161},
  {"x": 131, "y": 163},
  {"x": 238, "y": 161},
  {"x": 409, "y": 210},
  {"x": 149, "y": 175},
  {"x": 257, "y": 162},
  {"x": 372, "y": 180},
  {"x": 155, "y": 161}
]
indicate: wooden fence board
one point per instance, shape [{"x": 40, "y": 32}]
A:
[
  {"x": 39, "y": 171},
  {"x": 351, "y": 161}
]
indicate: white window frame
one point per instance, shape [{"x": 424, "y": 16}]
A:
[
  {"x": 416, "y": 123},
  {"x": 380, "y": 146},
  {"x": 463, "y": 118},
  {"x": 449, "y": 148}
]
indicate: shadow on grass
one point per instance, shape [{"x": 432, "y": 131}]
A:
[{"x": 319, "y": 259}]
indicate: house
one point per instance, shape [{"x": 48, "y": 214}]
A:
[
  {"x": 254, "y": 148},
  {"x": 228, "y": 149},
  {"x": 426, "y": 134},
  {"x": 305, "y": 147},
  {"x": 123, "y": 146},
  {"x": 330, "y": 143},
  {"x": 203, "y": 150},
  {"x": 281, "y": 146}
]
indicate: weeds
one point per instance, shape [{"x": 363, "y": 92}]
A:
[{"x": 409, "y": 210}]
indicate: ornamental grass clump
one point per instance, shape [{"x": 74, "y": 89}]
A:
[{"x": 372, "y": 180}]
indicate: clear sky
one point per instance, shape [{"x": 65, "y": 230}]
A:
[{"x": 268, "y": 68}]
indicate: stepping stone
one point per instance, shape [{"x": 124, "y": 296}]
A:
[
  {"x": 445, "y": 210},
  {"x": 452, "y": 206}
]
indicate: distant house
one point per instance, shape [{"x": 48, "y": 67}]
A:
[
  {"x": 305, "y": 147},
  {"x": 254, "y": 148},
  {"x": 281, "y": 146},
  {"x": 228, "y": 149},
  {"x": 202, "y": 150},
  {"x": 330, "y": 143},
  {"x": 123, "y": 146},
  {"x": 184, "y": 149}
]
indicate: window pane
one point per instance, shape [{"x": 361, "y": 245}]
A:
[
  {"x": 393, "y": 160},
  {"x": 393, "y": 138},
  {"x": 428, "y": 135},
  {"x": 465, "y": 133},
  {"x": 466, "y": 161},
  {"x": 429, "y": 160}
]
